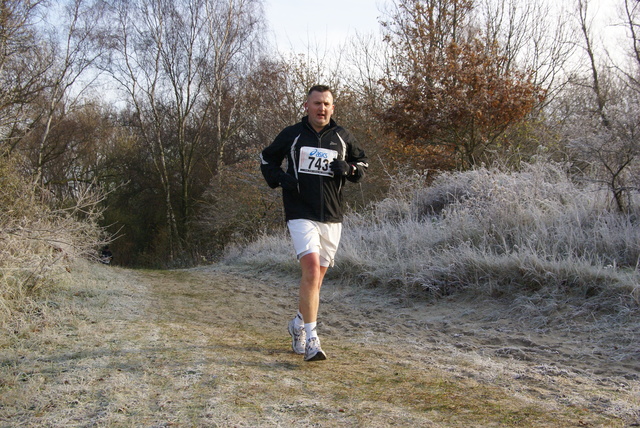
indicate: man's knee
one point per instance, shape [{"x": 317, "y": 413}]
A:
[
  {"x": 310, "y": 265},
  {"x": 310, "y": 262}
]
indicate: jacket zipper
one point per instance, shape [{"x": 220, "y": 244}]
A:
[{"x": 321, "y": 178}]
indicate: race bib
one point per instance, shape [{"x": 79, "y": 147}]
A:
[{"x": 315, "y": 160}]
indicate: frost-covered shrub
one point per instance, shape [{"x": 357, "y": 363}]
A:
[
  {"x": 496, "y": 230},
  {"x": 40, "y": 241},
  {"x": 492, "y": 232}
]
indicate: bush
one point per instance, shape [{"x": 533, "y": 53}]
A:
[
  {"x": 237, "y": 208},
  {"x": 491, "y": 232},
  {"x": 499, "y": 232},
  {"x": 40, "y": 236}
]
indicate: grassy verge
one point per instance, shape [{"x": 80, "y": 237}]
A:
[{"x": 205, "y": 348}]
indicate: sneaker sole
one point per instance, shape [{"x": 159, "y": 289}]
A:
[{"x": 318, "y": 357}]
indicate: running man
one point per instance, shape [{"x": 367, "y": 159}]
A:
[{"x": 321, "y": 156}]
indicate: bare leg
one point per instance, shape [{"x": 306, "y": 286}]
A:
[{"x": 310, "y": 283}]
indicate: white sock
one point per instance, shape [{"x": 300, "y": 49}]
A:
[
  {"x": 298, "y": 321},
  {"x": 310, "y": 329}
]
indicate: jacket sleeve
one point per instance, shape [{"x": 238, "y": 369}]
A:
[
  {"x": 357, "y": 158},
  {"x": 271, "y": 160}
]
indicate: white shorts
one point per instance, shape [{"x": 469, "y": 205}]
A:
[{"x": 310, "y": 236}]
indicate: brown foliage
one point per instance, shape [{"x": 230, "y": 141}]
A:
[{"x": 450, "y": 92}]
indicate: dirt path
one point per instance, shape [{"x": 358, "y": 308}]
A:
[{"x": 208, "y": 347}]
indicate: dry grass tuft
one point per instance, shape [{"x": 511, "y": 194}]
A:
[{"x": 40, "y": 239}]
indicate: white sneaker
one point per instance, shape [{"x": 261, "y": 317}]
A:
[
  {"x": 312, "y": 350},
  {"x": 298, "y": 337}
]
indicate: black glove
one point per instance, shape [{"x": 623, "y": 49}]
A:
[
  {"x": 288, "y": 182},
  {"x": 340, "y": 167}
]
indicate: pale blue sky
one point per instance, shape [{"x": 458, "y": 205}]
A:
[
  {"x": 326, "y": 23},
  {"x": 299, "y": 24}
]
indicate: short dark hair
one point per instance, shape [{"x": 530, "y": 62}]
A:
[{"x": 319, "y": 88}]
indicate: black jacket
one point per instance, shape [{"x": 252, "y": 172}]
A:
[{"x": 317, "y": 197}]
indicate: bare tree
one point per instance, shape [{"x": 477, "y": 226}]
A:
[
  {"x": 602, "y": 124},
  {"x": 532, "y": 35},
  {"x": 181, "y": 66},
  {"x": 23, "y": 64},
  {"x": 75, "y": 50},
  {"x": 234, "y": 28},
  {"x": 631, "y": 19},
  {"x": 609, "y": 151},
  {"x": 596, "y": 83}
]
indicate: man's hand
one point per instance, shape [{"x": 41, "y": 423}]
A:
[
  {"x": 288, "y": 182},
  {"x": 340, "y": 167}
]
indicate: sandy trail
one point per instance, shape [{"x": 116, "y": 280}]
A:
[
  {"x": 208, "y": 347},
  {"x": 577, "y": 364}
]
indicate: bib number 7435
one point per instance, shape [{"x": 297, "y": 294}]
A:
[{"x": 314, "y": 160}]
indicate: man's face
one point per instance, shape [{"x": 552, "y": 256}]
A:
[{"x": 319, "y": 105}]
